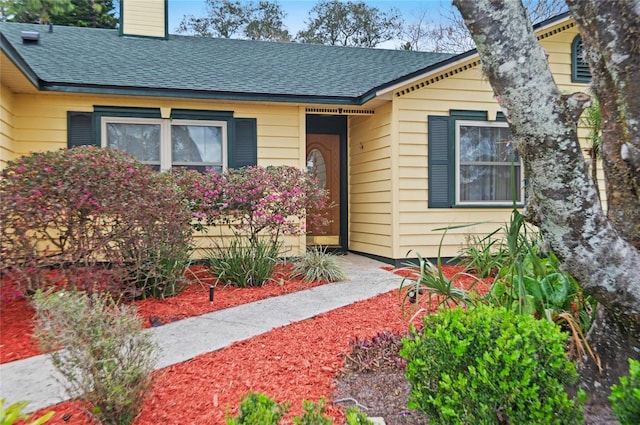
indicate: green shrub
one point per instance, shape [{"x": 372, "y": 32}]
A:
[
  {"x": 625, "y": 398},
  {"x": 355, "y": 417},
  {"x": 529, "y": 280},
  {"x": 313, "y": 414},
  {"x": 244, "y": 264},
  {"x": 490, "y": 366},
  {"x": 100, "y": 349},
  {"x": 258, "y": 409},
  {"x": 79, "y": 209},
  {"x": 12, "y": 413},
  {"x": 318, "y": 265}
]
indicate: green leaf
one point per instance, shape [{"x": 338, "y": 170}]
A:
[{"x": 555, "y": 288}]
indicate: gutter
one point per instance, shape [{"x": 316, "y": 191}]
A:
[{"x": 198, "y": 94}]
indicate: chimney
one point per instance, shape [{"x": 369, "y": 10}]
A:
[{"x": 144, "y": 18}]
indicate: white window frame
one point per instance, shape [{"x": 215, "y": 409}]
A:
[
  {"x": 482, "y": 203},
  {"x": 166, "y": 161}
]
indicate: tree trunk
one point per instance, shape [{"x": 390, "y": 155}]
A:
[
  {"x": 562, "y": 198},
  {"x": 610, "y": 32}
]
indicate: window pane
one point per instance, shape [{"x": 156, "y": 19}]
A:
[
  {"x": 486, "y": 157},
  {"x": 200, "y": 168},
  {"x": 489, "y": 183},
  {"x": 139, "y": 140},
  {"x": 318, "y": 167},
  {"x": 196, "y": 144}
]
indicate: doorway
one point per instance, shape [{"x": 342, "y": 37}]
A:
[
  {"x": 323, "y": 163},
  {"x": 326, "y": 154}
]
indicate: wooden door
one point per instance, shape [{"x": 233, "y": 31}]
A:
[{"x": 323, "y": 161}]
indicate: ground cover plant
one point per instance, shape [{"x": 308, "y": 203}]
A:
[{"x": 261, "y": 409}]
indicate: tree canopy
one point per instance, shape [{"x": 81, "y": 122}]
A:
[
  {"x": 80, "y": 13},
  {"x": 452, "y": 36},
  {"x": 350, "y": 23},
  {"x": 236, "y": 18}
]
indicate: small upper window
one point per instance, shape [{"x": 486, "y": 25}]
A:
[
  {"x": 580, "y": 72},
  {"x": 488, "y": 168},
  {"x": 163, "y": 143}
]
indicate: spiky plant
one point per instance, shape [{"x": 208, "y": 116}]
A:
[{"x": 318, "y": 265}]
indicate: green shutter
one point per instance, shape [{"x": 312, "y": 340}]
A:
[
  {"x": 243, "y": 146},
  {"x": 80, "y": 129},
  {"x": 440, "y": 163},
  {"x": 442, "y": 160}
]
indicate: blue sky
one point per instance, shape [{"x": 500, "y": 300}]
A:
[{"x": 297, "y": 10}]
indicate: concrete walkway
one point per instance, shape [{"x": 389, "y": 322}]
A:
[{"x": 33, "y": 379}]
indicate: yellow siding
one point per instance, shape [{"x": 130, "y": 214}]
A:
[
  {"x": 144, "y": 18},
  {"x": 387, "y": 151},
  {"x": 370, "y": 183},
  {"x": 7, "y": 148},
  {"x": 39, "y": 122},
  {"x": 464, "y": 90}
]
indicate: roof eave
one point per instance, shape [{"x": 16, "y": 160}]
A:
[
  {"x": 422, "y": 73},
  {"x": 448, "y": 63},
  {"x": 18, "y": 61},
  {"x": 199, "y": 94}
]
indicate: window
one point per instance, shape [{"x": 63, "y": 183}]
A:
[
  {"x": 163, "y": 143},
  {"x": 471, "y": 161},
  {"x": 580, "y": 72},
  {"x": 193, "y": 138},
  {"x": 488, "y": 168}
]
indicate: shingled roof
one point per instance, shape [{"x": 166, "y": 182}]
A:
[{"x": 101, "y": 61}]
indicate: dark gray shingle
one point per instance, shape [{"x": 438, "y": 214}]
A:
[{"x": 103, "y": 60}]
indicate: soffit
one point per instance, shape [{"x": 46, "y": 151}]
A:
[{"x": 13, "y": 78}]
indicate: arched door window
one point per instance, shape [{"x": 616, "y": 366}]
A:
[{"x": 317, "y": 167}]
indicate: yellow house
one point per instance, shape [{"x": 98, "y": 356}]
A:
[{"x": 406, "y": 142}]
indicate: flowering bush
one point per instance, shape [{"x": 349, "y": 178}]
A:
[
  {"x": 259, "y": 205},
  {"x": 87, "y": 207},
  {"x": 254, "y": 201}
]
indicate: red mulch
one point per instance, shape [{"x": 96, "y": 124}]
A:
[
  {"x": 290, "y": 363},
  {"x": 17, "y": 325}
]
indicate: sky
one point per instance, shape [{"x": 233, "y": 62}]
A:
[{"x": 297, "y": 10}]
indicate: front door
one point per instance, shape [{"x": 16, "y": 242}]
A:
[{"x": 323, "y": 161}]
